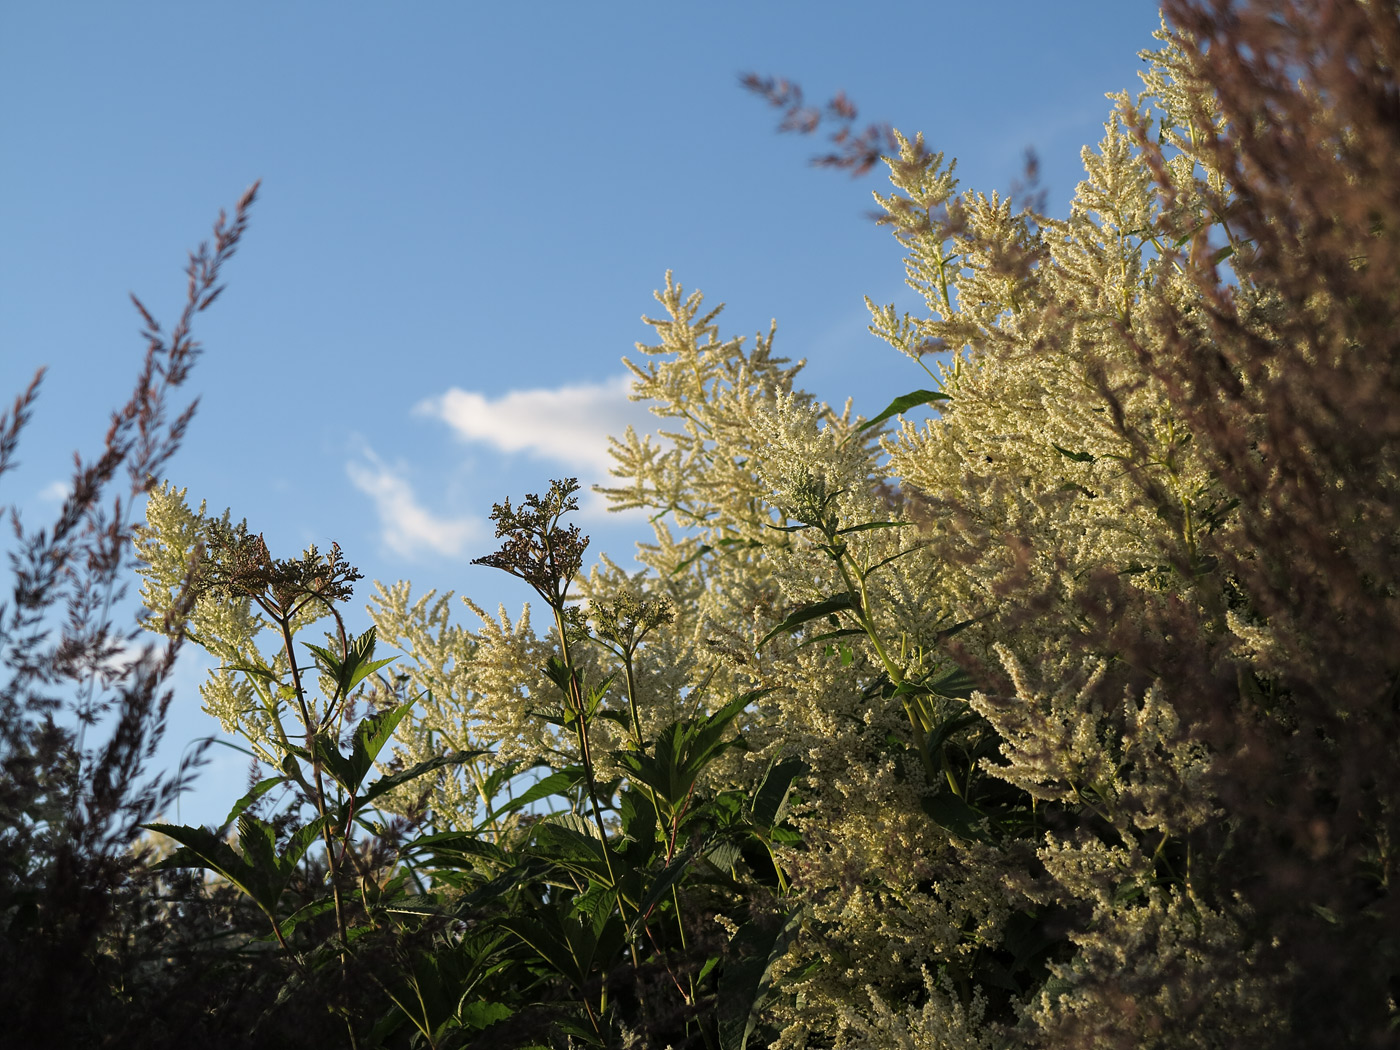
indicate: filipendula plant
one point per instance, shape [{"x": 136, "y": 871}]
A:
[
  {"x": 317, "y": 749},
  {"x": 612, "y": 895}
]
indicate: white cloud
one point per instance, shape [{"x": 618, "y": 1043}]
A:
[
  {"x": 55, "y": 491},
  {"x": 406, "y": 526},
  {"x": 568, "y": 424}
]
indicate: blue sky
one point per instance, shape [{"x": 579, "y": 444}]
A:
[{"x": 465, "y": 208}]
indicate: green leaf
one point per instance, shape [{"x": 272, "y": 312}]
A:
[
  {"x": 768, "y": 801},
  {"x": 957, "y": 628},
  {"x": 579, "y": 850},
  {"x": 326, "y": 660},
  {"x": 700, "y": 552},
  {"x": 203, "y": 848},
  {"x": 370, "y": 737},
  {"x": 952, "y": 814},
  {"x": 869, "y": 525},
  {"x": 844, "y": 632},
  {"x": 454, "y": 848},
  {"x": 597, "y": 693},
  {"x": 258, "y": 839},
  {"x": 682, "y": 750},
  {"x": 638, "y": 826},
  {"x": 660, "y": 886},
  {"x": 896, "y": 555},
  {"x": 300, "y": 842},
  {"x": 706, "y": 742},
  {"x": 807, "y": 613},
  {"x": 358, "y": 662},
  {"x": 478, "y": 1015},
  {"x": 723, "y": 855},
  {"x": 746, "y": 980},
  {"x": 256, "y": 670},
  {"x": 340, "y": 768},
  {"x": 1078, "y": 457},
  {"x": 957, "y": 684},
  {"x": 550, "y": 942},
  {"x": 948, "y": 727},
  {"x": 705, "y": 548},
  {"x": 393, "y": 780},
  {"x": 309, "y": 910},
  {"x": 258, "y": 790},
  {"x": 571, "y": 937},
  {"x": 903, "y": 404},
  {"x": 530, "y": 869},
  {"x": 260, "y": 873},
  {"x": 417, "y": 904},
  {"x": 786, "y": 528},
  {"x": 557, "y": 783},
  {"x": 561, "y": 674}
]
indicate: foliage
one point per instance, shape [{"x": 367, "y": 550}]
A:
[{"x": 1062, "y": 719}]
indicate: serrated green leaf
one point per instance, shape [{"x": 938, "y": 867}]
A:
[
  {"x": 746, "y": 980},
  {"x": 479, "y": 1015},
  {"x": 301, "y": 841},
  {"x": 307, "y": 911},
  {"x": 342, "y": 769},
  {"x": 723, "y": 855},
  {"x": 393, "y": 780},
  {"x": 364, "y": 670},
  {"x": 561, "y": 674},
  {"x": 258, "y": 790},
  {"x": 203, "y": 848},
  {"x": 370, "y": 737},
  {"x": 258, "y": 840},
  {"x": 450, "y": 847},
  {"x": 659, "y": 888},
  {"x": 557, "y": 783}
]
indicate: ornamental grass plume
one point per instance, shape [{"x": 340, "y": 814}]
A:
[{"x": 86, "y": 957}]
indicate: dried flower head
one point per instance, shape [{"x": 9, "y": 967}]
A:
[
  {"x": 537, "y": 548},
  {"x": 238, "y": 565}
]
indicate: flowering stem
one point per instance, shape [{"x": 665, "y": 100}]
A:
[{"x": 857, "y": 589}]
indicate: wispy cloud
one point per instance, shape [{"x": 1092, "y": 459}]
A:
[
  {"x": 567, "y": 424},
  {"x": 406, "y": 526},
  {"x": 55, "y": 491}
]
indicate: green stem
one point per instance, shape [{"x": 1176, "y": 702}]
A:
[
  {"x": 575, "y": 697},
  {"x": 632, "y": 698},
  {"x": 856, "y": 587},
  {"x": 332, "y": 867}
]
